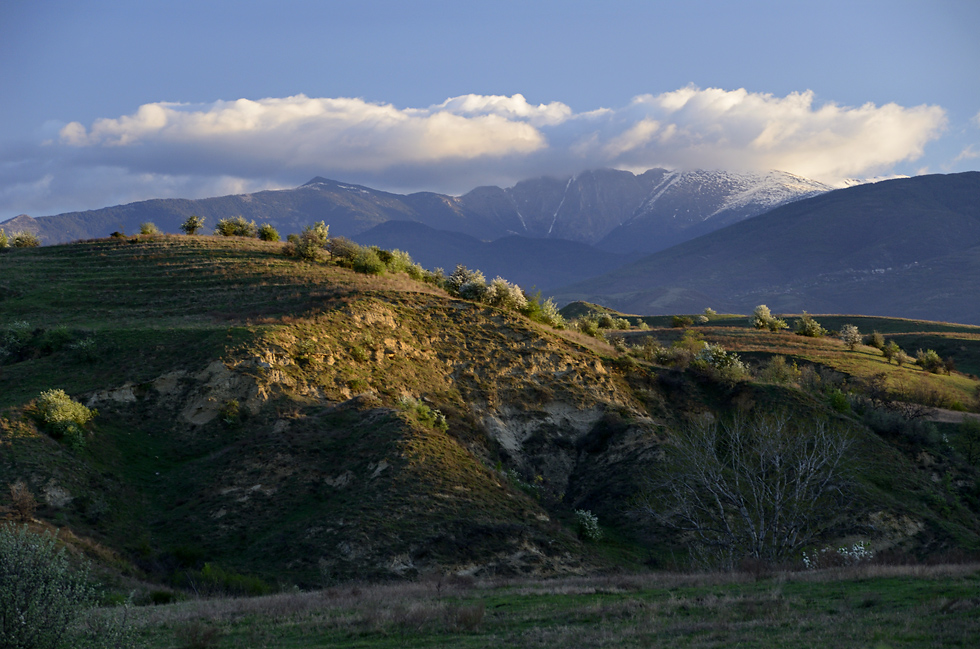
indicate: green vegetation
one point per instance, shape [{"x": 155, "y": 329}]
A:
[
  {"x": 268, "y": 233},
  {"x": 850, "y": 607},
  {"x": 148, "y": 229},
  {"x": 192, "y": 225},
  {"x": 44, "y": 598},
  {"x": 62, "y": 417},
  {"x": 268, "y": 423},
  {"x": 236, "y": 227}
]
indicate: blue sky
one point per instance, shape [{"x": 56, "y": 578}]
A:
[{"x": 111, "y": 102}]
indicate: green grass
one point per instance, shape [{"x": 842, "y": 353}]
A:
[{"x": 873, "y": 606}]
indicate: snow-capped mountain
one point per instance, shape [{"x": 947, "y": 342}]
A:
[{"x": 686, "y": 204}]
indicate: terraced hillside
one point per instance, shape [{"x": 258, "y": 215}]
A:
[{"x": 304, "y": 423}]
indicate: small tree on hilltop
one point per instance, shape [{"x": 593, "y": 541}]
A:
[
  {"x": 851, "y": 336},
  {"x": 192, "y": 225},
  {"x": 761, "y": 317},
  {"x": 24, "y": 239},
  {"x": 313, "y": 241},
  {"x": 890, "y": 351},
  {"x": 268, "y": 233},
  {"x": 236, "y": 227},
  {"x": 807, "y": 326}
]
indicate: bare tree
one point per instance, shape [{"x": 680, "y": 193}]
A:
[{"x": 760, "y": 488}]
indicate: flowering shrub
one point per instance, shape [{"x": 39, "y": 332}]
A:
[
  {"x": 503, "y": 294},
  {"x": 192, "y": 224},
  {"x": 425, "y": 415},
  {"x": 42, "y": 598},
  {"x": 588, "y": 525},
  {"x": 843, "y": 556},
  {"x": 62, "y": 416},
  {"x": 236, "y": 227}
]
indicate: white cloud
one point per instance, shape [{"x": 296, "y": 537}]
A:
[
  {"x": 969, "y": 153},
  {"x": 298, "y": 131},
  {"x": 976, "y": 118},
  {"x": 164, "y": 148}
]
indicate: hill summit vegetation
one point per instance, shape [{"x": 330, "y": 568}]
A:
[{"x": 226, "y": 415}]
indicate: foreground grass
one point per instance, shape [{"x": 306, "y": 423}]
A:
[{"x": 869, "y": 606}]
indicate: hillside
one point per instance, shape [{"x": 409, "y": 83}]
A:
[
  {"x": 284, "y": 419},
  {"x": 544, "y": 264},
  {"x": 905, "y": 248}
]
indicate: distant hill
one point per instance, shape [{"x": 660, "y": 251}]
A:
[
  {"x": 906, "y": 248},
  {"x": 620, "y": 211},
  {"x": 541, "y": 263}
]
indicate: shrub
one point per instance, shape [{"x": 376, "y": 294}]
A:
[
  {"x": 720, "y": 364},
  {"x": 236, "y": 227},
  {"x": 466, "y": 283},
  {"x": 399, "y": 261},
  {"x": 589, "y": 325},
  {"x": 313, "y": 241},
  {"x": 930, "y": 361},
  {"x": 368, "y": 261},
  {"x": 588, "y": 525},
  {"x": 503, "y": 294},
  {"x": 149, "y": 229},
  {"x": 41, "y": 597},
  {"x": 63, "y": 417},
  {"x": 545, "y": 312},
  {"x": 192, "y": 224},
  {"x": 4, "y": 240},
  {"x": 681, "y": 321},
  {"x": 425, "y": 415},
  {"x": 24, "y": 240},
  {"x": 343, "y": 251},
  {"x": 762, "y": 318},
  {"x": 807, "y": 326},
  {"x": 776, "y": 370},
  {"x": 851, "y": 336},
  {"x": 22, "y": 501},
  {"x": 268, "y": 233},
  {"x": 875, "y": 339}
]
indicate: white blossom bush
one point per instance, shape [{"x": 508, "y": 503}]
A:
[
  {"x": 466, "y": 283},
  {"x": 828, "y": 557},
  {"x": 588, "y": 525},
  {"x": 503, "y": 294}
]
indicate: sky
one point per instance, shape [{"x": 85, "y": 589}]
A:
[{"x": 108, "y": 102}]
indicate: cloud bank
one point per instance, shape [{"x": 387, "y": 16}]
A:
[{"x": 245, "y": 145}]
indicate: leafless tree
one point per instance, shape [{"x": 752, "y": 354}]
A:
[{"x": 760, "y": 488}]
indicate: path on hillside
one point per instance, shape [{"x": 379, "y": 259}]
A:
[{"x": 950, "y": 416}]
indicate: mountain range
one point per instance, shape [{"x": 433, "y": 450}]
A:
[
  {"x": 905, "y": 247},
  {"x": 617, "y": 211},
  {"x": 654, "y": 243}
]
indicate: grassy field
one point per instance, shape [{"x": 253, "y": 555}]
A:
[
  {"x": 869, "y": 606},
  {"x": 322, "y": 475}
]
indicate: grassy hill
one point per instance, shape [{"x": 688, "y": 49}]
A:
[{"x": 286, "y": 422}]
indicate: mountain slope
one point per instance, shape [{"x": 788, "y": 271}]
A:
[
  {"x": 541, "y": 263},
  {"x": 888, "y": 249}
]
